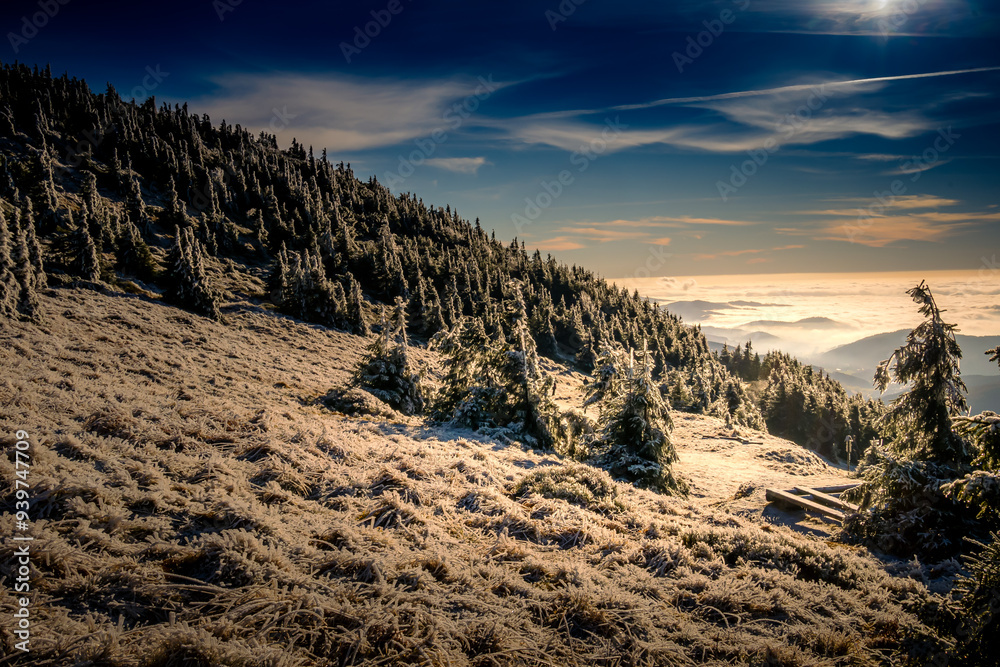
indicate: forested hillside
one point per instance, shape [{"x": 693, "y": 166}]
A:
[
  {"x": 159, "y": 199},
  {"x": 805, "y": 405}
]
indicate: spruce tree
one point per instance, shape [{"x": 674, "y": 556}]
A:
[
  {"x": 432, "y": 318},
  {"x": 84, "y": 258},
  {"x": 9, "y": 289},
  {"x": 27, "y": 299},
  {"x": 929, "y": 364},
  {"x": 635, "y": 421},
  {"x": 37, "y": 257},
  {"x": 528, "y": 388},
  {"x": 385, "y": 370},
  {"x": 389, "y": 266},
  {"x": 469, "y": 390},
  {"x": 493, "y": 382},
  {"x": 355, "y": 316},
  {"x": 904, "y": 495},
  {"x": 188, "y": 284},
  {"x": 134, "y": 256}
]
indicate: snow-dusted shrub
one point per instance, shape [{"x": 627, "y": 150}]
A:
[{"x": 586, "y": 486}]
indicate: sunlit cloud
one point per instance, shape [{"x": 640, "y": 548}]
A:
[
  {"x": 603, "y": 235},
  {"x": 675, "y": 222},
  {"x": 745, "y": 251},
  {"x": 896, "y": 202},
  {"x": 459, "y": 165},
  {"x": 743, "y": 120},
  {"x": 335, "y": 110},
  {"x": 880, "y": 231},
  {"x": 915, "y": 167},
  {"x": 558, "y": 243}
]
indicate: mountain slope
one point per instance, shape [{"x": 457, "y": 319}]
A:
[
  {"x": 862, "y": 356},
  {"x": 194, "y": 502}
]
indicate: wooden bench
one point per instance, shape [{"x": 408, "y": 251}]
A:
[{"x": 818, "y": 500}]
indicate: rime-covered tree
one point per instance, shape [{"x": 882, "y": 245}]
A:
[
  {"x": 26, "y": 275},
  {"x": 635, "y": 420},
  {"x": 35, "y": 254},
  {"x": 980, "y": 587},
  {"x": 9, "y": 289},
  {"x": 528, "y": 388},
  {"x": 389, "y": 266},
  {"x": 470, "y": 389},
  {"x": 306, "y": 293},
  {"x": 907, "y": 501},
  {"x": 498, "y": 383},
  {"x": 929, "y": 365},
  {"x": 134, "y": 256},
  {"x": 355, "y": 309},
  {"x": 385, "y": 370},
  {"x": 84, "y": 259},
  {"x": 188, "y": 283}
]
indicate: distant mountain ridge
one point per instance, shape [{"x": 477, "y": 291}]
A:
[{"x": 865, "y": 354}]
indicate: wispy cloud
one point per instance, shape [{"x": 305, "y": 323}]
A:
[
  {"x": 558, "y": 243},
  {"x": 748, "y": 119},
  {"x": 915, "y": 166},
  {"x": 745, "y": 251},
  {"x": 335, "y": 110},
  {"x": 603, "y": 234},
  {"x": 800, "y": 88},
  {"x": 905, "y": 202},
  {"x": 881, "y": 231},
  {"x": 459, "y": 165},
  {"x": 880, "y": 223},
  {"x": 575, "y": 235},
  {"x": 672, "y": 222}
]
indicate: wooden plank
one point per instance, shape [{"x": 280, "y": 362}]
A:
[
  {"x": 830, "y": 489},
  {"x": 819, "y": 495},
  {"x": 835, "y": 489},
  {"x": 808, "y": 505}
]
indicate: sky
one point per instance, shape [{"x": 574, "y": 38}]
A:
[{"x": 639, "y": 139}]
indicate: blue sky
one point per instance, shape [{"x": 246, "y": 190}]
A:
[{"x": 636, "y": 138}]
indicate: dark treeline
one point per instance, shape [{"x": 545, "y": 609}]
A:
[{"x": 804, "y": 404}]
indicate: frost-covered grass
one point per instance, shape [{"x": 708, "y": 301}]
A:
[{"x": 195, "y": 502}]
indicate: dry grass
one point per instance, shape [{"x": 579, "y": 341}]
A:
[{"x": 196, "y": 504}]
